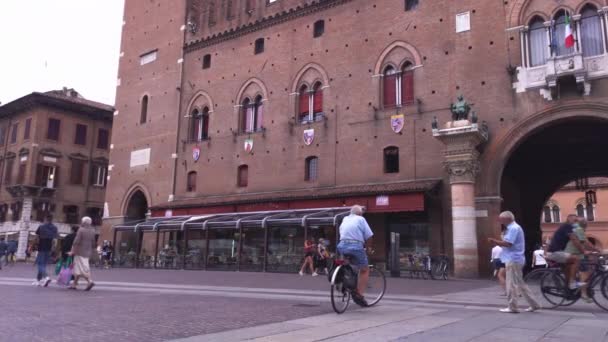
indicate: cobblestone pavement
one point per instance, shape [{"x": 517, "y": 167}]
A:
[{"x": 155, "y": 305}]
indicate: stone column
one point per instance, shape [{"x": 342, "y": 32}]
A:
[
  {"x": 24, "y": 227},
  {"x": 462, "y": 165}
]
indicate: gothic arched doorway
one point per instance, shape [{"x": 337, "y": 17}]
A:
[{"x": 137, "y": 207}]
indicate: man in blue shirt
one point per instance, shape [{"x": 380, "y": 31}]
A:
[
  {"x": 46, "y": 234},
  {"x": 354, "y": 233},
  {"x": 513, "y": 247}
]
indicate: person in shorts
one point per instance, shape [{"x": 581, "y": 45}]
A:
[
  {"x": 557, "y": 251},
  {"x": 585, "y": 272},
  {"x": 499, "y": 267},
  {"x": 354, "y": 234}
]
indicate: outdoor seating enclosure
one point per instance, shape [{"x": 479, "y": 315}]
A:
[{"x": 268, "y": 241}]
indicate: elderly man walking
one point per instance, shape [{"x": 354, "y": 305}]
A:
[
  {"x": 82, "y": 247},
  {"x": 513, "y": 247}
]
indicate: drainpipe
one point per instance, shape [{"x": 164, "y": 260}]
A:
[
  {"x": 3, "y": 164},
  {"x": 90, "y": 168},
  {"x": 179, "y": 110}
]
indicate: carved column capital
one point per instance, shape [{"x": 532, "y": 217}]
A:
[{"x": 462, "y": 171}]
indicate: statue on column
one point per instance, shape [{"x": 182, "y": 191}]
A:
[{"x": 460, "y": 109}]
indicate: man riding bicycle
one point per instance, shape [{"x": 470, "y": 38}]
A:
[
  {"x": 354, "y": 233},
  {"x": 557, "y": 250}
]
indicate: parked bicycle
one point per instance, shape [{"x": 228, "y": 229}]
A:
[
  {"x": 550, "y": 284},
  {"x": 344, "y": 278}
]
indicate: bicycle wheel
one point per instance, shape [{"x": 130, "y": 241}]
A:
[
  {"x": 598, "y": 290},
  {"x": 376, "y": 286},
  {"x": 553, "y": 286},
  {"x": 340, "y": 298}
]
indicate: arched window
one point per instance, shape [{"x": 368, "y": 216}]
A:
[
  {"x": 407, "y": 85},
  {"x": 242, "y": 176},
  {"x": 390, "y": 87},
  {"x": 143, "y": 118},
  {"x": 559, "y": 34},
  {"x": 252, "y": 115},
  {"x": 556, "y": 216},
  {"x": 391, "y": 159},
  {"x": 580, "y": 210},
  {"x": 194, "y": 125},
  {"x": 199, "y": 129},
  {"x": 191, "y": 182},
  {"x": 538, "y": 42},
  {"x": 311, "y": 172},
  {"x": 310, "y": 103},
  {"x": 547, "y": 214},
  {"x": 591, "y": 32}
]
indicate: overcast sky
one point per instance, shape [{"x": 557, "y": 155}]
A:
[{"x": 50, "y": 44}]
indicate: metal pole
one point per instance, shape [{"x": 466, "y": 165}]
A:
[
  {"x": 156, "y": 248},
  {"x": 206, "y": 248},
  {"x": 137, "y": 248},
  {"x": 185, "y": 250},
  {"x": 114, "y": 246},
  {"x": 265, "y": 249},
  {"x": 240, "y": 249}
]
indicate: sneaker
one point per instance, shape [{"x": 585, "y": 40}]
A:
[
  {"x": 359, "y": 299},
  {"x": 576, "y": 285},
  {"x": 508, "y": 310},
  {"x": 46, "y": 281},
  {"x": 533, "y": 308},
  {"x": 586, "y": 298},
  {"x": 315, "y": 274},
  {"x": 36, "y": 283},
  {"x": 301, "y": 273}
]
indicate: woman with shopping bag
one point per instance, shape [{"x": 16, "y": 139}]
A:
[{"x": 83, "y": 246}]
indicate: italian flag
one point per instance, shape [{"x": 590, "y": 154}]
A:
[{"x": 569, "y": 40}]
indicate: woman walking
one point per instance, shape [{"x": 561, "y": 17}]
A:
[
  {"x": 82, "y": 247},
  {"x": 309, "y": 251}
]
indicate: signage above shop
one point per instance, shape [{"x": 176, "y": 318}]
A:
[{"x": 382, "y": 201}]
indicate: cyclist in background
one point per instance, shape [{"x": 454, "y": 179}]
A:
[
  {"x": 557, "y": 251},
  {"x": 354, "y": 233}
]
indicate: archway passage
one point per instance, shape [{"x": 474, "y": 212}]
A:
[
  {"x": 550, "y": 157},
  {"x": 137, "y": 207}
]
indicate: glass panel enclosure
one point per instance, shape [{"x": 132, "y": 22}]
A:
[
  {"x": 195, "y": 253},
  {"x": 285, "y": 249},
  {"x": 252, "y": 250},
  {"x": 223, "y": 249},
  {"x": 125, "y": 249}
]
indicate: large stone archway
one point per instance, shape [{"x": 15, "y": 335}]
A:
[
  {"x": 524, "y": 167},
  {"x": 137, "y": 206}
]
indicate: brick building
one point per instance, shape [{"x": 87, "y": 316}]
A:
[
  {"x": 248, "y": 106},
  {"x": 54, "y": 161}
]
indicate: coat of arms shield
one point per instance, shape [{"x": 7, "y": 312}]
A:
[
  {"x": 309, "y": 136},
  {"x": 248, "y": 145},
  {"x": 397, "y": 122},
  {"x": 196, "y": 153}
]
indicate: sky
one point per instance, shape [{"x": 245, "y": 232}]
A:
[{"x": 51, "y": 44}]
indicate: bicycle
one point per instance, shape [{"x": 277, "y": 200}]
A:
[
  {"x": 551, "y": 285},
  {"x": 439, "y": 267},
  {"x": 344, "y": 279}
]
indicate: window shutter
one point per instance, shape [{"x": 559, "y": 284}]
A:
[
  {"x": 40, "y": 175},
  {"x": 205, "y": 119},
  {"x": 56, "y": 179},
  {"x": 318, "y": 102},
  {"x": 303, "y": 106},
  {"x": 407, "y": 87},
  {"x": 244, "y": 119},
  {"x": 21, "y": 175},
  {"x": 28, "y": 126},
  {"x": 195, "y": 126},
  {"x": 249, "y": 119},
  {"x": 8, "y": 171},
  {"x": 390, "y": 91},
  {"x": 93, "y": 174},
  {"x": 259, "y": 116}
]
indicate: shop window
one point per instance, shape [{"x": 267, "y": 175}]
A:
[
  {"x": 538, "y": 42},
  {"x": 143, "y": 117},
  {"x": 103, "y": 138},
  {"x": 47, "y": 176},
  {"x": 16, "y": 210},
  {"x": 3, "y": 211},
  {"x": 411, "y": 4},
  {"x": 391, "y": 159},
  {"x": 207, "y": 61},
  {"x": 191, "y": 182},
  {"x": 8, "y": 171},
  {"x": 243, "y": 175},
  {"x": 259, "y": 46},
  {"x": 81, "y": 135},
  {"x": 76, "y": 172},
  {"x": 319, "y": 28},
  {"x": 53, "y": 129},
  {"x": 28, "y": 127},
  {"x": 311, "y": 172},
  {"x": 42, "y": 210},
  {"x": 14, "y": 131},
  {"x": 252, "y": 115},
  {"x": 71, "y": 214},
  {"x": 591, "y": 32}
]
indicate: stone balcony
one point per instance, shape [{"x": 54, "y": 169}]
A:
[{"x": 545, "y": 77}]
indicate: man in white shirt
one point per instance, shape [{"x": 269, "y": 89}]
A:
[
  {"x": 499, "y": 267},
  {"x": 538, "y": 258}
]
